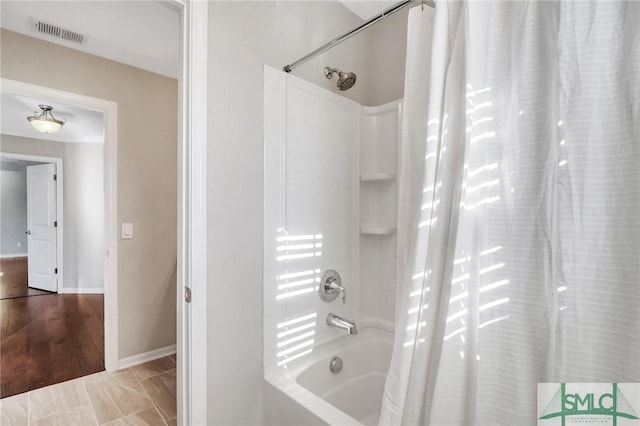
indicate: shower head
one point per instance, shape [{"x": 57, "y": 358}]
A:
[{"x": 346, "y": 80}]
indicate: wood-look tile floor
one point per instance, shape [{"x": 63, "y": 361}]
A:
[
  {"x": 141, "y": 395},
  {"x": 49, "y": 339}
]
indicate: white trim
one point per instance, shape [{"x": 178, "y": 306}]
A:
[
  {"x": 111, "y": 352},
  {"x": 12, "y": 256},
  {"x": 81, "y": 290},
  {"x": 197, "y": 121},
  {"x": 57, "y": 161},
  {"x": 192, "y": 216},
  {"x": 29, "y": 157},
  {"x": 110, "y": 111},
  {"x": 183, "y": 373},
  {"x": 146, "y": 356}
]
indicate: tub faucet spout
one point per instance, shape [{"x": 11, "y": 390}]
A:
[{"x": 343, "y": 323}]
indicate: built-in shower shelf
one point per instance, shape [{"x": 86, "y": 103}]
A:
[
  {"x": 377, "y": 177},
  {"x": 377, "y": 230}
]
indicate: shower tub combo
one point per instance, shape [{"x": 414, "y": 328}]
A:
[
  {"x": 330, "y": 197},
  {"x": 308, "y": 392},
  {"x": 326, "y": 358}
]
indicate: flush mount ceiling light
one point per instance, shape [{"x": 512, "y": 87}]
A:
[{"x": 45, "y": 122}]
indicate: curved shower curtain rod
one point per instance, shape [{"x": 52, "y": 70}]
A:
[{"x": 346, "y": 36}]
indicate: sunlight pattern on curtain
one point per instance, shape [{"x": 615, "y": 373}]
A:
[{"x": 524, "y": 266}]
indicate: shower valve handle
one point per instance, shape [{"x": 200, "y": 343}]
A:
[{"x": 331, "y": 287}]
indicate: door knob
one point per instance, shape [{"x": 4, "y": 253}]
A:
[{"x": 28, "y": 232}]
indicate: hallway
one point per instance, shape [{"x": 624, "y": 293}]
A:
[{"x": 49, "y": 339}]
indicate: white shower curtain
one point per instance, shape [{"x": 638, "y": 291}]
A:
[{"x": 519, "y": 226}]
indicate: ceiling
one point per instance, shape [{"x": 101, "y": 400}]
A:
[
  {"x": 14, "y": 165},
  {"x": 368, "y": 8},
  {"x": 143, "y": 33},
  {"x": 82, "y": 126}
]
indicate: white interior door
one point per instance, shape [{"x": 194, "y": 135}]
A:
[{"x": 42, "y": 227}]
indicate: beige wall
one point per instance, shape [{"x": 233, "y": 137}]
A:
[
  {"x": 377, "y": 55},
  {"x": 147, "y": 170},
  {"x": 386, "y": 55},
  {"x": 83, "y": 224},
  {"x": 243, "y": 36}
]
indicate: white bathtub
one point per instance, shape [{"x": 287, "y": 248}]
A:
[{"x": 317, "y": 396}]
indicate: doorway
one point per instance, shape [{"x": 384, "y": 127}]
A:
[
  {"x": 95, "y": 298},
  {"x": 192, "y": 178},
  {"x": 31, "y": 225},
  {"x": 53, "y": 209}
]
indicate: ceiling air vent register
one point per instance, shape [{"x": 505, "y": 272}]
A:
[{"x": 58, "y": 32}]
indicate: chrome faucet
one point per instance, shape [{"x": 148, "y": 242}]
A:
[{"x": 343, "y": 323}]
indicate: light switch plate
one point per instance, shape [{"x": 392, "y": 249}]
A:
[{"x": 127, "y": 231}]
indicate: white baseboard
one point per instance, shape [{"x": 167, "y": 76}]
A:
[
  {"x": 66, "y": 290},
  {"x": 146, "y": 356},
  {"x": 12, "y": 256}
]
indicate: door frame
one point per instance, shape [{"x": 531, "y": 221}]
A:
[
  {"x": 59, "y": 207},
  {"x": 191, "y": 321},
  {"x": 191, "y": 326},
  {"x": 110, "y": 111}
]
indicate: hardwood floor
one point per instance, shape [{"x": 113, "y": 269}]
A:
[
  {"x": 14, "y": 278},
  {"x": 49, "y": 339}
]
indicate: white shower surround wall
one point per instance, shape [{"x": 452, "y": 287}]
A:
[
  {"x": 310, "y": 212},
  {"x": 312, "y": 216}
]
